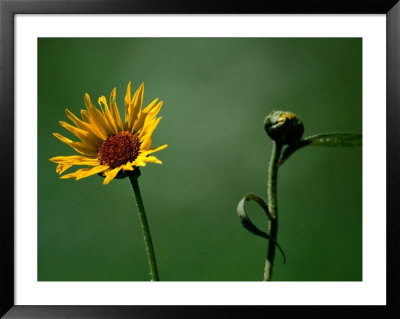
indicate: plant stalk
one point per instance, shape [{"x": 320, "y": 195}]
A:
[
  {"x": 145, "y": 227},
  {"x": 273, "y": 208}
]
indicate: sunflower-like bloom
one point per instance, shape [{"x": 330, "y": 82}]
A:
[{"x": 107, "y": 145}]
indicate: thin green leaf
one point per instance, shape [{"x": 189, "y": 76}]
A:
[
  {"x": 335, "y": 139},
  {"x": 324, "y": 139},
  {"x": 248, "y": 224}
]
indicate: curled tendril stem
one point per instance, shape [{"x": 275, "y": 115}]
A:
[
  {"x": 273, "y": 208},
  {"x": 248, "y": 224}
]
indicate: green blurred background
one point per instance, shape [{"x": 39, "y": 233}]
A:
[{"x": 216, "y": 93}]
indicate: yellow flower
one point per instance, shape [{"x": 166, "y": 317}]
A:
[{"x": 109, "y": 146}]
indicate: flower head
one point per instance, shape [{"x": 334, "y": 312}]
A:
[
  {"x": 284, "y": 127},
  {"x": 107, "y": 145}
]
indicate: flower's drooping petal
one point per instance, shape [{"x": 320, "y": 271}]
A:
[
  {"x": 86, "y": 172},
  {"x": 61, "y": 168},
  {"x": 139, "y": 162},
  {"x": 128, "y": 167},
  {"x": 75, "y": 160},
  {"x": 115, "y": 111},
  {"x": 152, "y": 159},
  {"x": 79, "y": 147},
  {"x": 153, "y": 150},
  {"x": 110, "y": 175},
  {"x": 142, "y": 160}
]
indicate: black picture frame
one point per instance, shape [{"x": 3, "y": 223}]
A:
[{"x": 8, "y": 10}]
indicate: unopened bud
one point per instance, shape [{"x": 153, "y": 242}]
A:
[{"x": 284, "y": 127}]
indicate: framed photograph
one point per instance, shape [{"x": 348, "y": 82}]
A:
[{"x": 111, "y": 212}]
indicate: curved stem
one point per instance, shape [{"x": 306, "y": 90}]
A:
[
  {"x": 145, "y": 227},
  {"x": 273, "y": 208}
]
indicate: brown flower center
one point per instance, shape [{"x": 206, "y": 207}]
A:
[{"x": 119, "y": 149}]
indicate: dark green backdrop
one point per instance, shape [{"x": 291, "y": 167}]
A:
[{"x": 216, "y": 94}]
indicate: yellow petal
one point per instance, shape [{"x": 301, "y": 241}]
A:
[
  {"x": 97, "y": 118},
  {"x": 81, "y": 124},
  {"x": 154, "y": 150},
  {"x": 102, "y": 101},
  {"x": 139, "y": 162},
  {"x": 85, "y": 116},
  {"x": 152, "y": 159},
  {"x": 149, "y": 107},
  {"x": 95, "y": 138},
  {"x": 153, "y": 113},
  {"x": 127, "y": 167},
  {"x": 149, "y": 131},
  {"x": 134, "y": 108},
  {"x": 87, "y": 138},
  {"x": 146, "y": 143},
  {"x": 79, "y": 147},
  {"x": 128, "y": 98},
  {"x": 137, "y": 100},
  {"x": 139, "y": 122},
  {"x": 61, "y": 168},
  {"x": 75, "y": 160},
  {"x": 110, "y": 175},
  {"x": 108, "y": 116},
  {"x": 114, "y": 110},
  {"x": 86, "y": 172},
  {"x": 74, "y": 130},
  {"x": 142, "y": 118}
]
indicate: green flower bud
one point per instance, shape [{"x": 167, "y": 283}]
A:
[{"x": 284, "y": 127}]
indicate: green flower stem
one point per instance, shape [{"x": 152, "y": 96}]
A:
[
  {"x": 273, "y": 208},
  {"x": 145, "y": 227}
]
